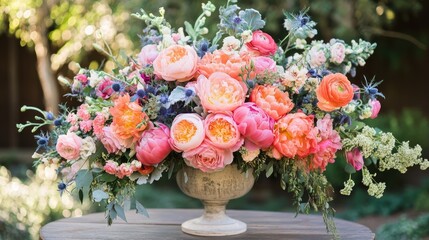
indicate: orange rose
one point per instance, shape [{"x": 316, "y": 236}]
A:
[
  {"x": 128, "y": 119},
  {"x": 231, "y": 63},
  {"x": 334, "y": 91},
  {"x": 273, "y": 101}
]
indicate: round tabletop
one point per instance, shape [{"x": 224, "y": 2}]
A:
[{"x": 165, "y": 224}]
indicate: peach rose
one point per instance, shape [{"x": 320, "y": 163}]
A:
[
  {"x": 220, "y": 92},
  {"x": 176, "y": 63},
  {"x": 222, "y": 131},
  {"x": 207, "y": 157},
  {"x": 294, "y": 135},
  {"x": 229, "y": 62},
  {"x": 334, "y": 91},
  {"x": 68, "y": 146},
  {"x": 273, "y": 101},
  {"x": 262, "y": 43},
  {"x": 187, "y": 132}
]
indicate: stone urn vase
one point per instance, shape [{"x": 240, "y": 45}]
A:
[{"x": 214, "y": 190}]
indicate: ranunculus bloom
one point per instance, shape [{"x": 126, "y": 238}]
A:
[
  {"x": 68, "y": 146},
  {"x": 187, "y": 132},
  {"x": 334, "y": 91},
  {"x": 176, "y": 63},
  {"x": 128, "y": 118},
  {"x": 207, "y": 157},
  {"x": 104, "y": 89},
  {"x": 328, "y": 142},
  {"x": 273, "y": 101},
  {"x": 262, "y": 43},
  {"x": 229, "y": 62},
  {"x": 294, "y": 135},
  {"x": 154, "y": 145},
  {"x": 355, "y": 158},
  {"x": 255, "y": 126},
  {"x": 111, "y": 167},
  {"x": 375, "y": 106},
  {"x": 110, "y": 141},
  {"x": 220, "y": 92},
  {"x": 148, "y": 54},
  {"x": 222, "y": 131},
  {"x": 263, "y": 64}
]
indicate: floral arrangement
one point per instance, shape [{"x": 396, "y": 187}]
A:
[{"x": 285, "y": 108}]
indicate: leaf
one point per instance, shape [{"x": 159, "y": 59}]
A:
[
  {"x": 98, "y": 195},
  {"x": 349, "y": 169},
  {"x": 171, "y": 169},
  {"x": 253, "y": 19},
  {"x": 283, "y": 183},
  {"x": 190, "y": 30},
  {"x": 178, "y": 94},
  {"x": 81, "y": 196},
  {"x": 83, "y": 180},
  {"x": 105, "y": 177},
  {"x": 120, "y": 212},
  {"x": 140, "y": 209},
  {"x": 96, "y": 170},
  {"x": 269, "y": 169}
]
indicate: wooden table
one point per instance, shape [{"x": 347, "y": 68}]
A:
[{"x": 165, "y": 224}]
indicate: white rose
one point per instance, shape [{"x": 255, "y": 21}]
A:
[
  {"x": 230, "y": 43},
  {"x": 88, "y": 148}
]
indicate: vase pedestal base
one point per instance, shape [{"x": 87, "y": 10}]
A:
[{"x": 221, "y": 227}]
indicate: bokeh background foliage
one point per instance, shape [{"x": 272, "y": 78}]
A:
[{"x": 43, "y": 39}]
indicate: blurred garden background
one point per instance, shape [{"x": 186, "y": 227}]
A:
[{"x": 41, "y": 40}]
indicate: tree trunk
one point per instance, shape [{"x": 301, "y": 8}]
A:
[{"x": 44, "y": 70}]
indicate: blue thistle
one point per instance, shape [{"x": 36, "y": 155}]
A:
[
  {"x": 370, "y": 89},
  {"x": 58, "y": 122},
  {"x": 49, "y": 116},
  {"x": 42, "y": 141}
]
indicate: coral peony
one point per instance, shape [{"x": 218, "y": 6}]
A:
[
  {"x": 220, "y": 92},
  {"x": 294, "y": 135},
  {"x": 273, "y": 101},
  {"x": 128, "y": 118},
  {"x": 262, "y": 43},
  {"x": 255, "y": 126},
  {"x": 187, "y": 132},
  {"x": 207, "y": 157},
  {"x": 222, "y": 131},
  {"x": 154, "y": 145},
  {"x": 68, "y": 146},
  {"x": 176, "y": 63},
  {"x": 229, "y": 62},
  {"x": 334, "y": 91}
]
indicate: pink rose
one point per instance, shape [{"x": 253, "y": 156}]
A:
[
  {"x": 262, "y": 43},
  {"x": 187, "y": 132},
  {"x": 104, "y": 90},
  {"x": 294, "y": 135},
  {"x": 68, "y": 146},
  {"x": 338, "y": 53},
  {"x": 110, "y": 141},
  {"x": 207, "y": 157},
  {"x": 255, "y": 125},
  {"x": 148, "y": 54},
  {"x": 375, "y": 107},
  {"x": 176, "y": 63},
  {"x": 355, "y": 158},
  {"x": 111, "y": 167},
  {"x": 264, "y": 64},
  {"x": 154, "y": 145},
  {"x": 220, "y": 92},
  {"x": 222, "y": 131}
]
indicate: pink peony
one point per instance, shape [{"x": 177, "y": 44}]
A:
[
  {"x": 68, "y": 146},
  {"x": 110, "y": 141},
  {"x": 328, "y": 142},
  {"x": 187, "y": 132},
  {"x": 262, "y": 43},
  {"x": 220, "y": 92},
  {"x": 111, "y": 167},
  {"x": 104, "y": 89},
  {"x": 264, "y": 64},
  {"x": 272, "y": 100},
  {"x": 255, "y": 125},
  {"x": 176, "y": 63},
  {"x": 375, "y": 107},
  {"x": 222, "y": 131},
  {"x": 355, "y": 158},
  {"x": 148, "y": 54},
  {"x": 294, "y": 135},
  {"x": 154, "y": 145},
  {"x": 207, "y": 157}
]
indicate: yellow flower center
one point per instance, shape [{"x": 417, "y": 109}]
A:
[
  {"x": 221, "y": 130},
  {"x": 176, "y": 53},
  {"x": 184, "y": 131}
]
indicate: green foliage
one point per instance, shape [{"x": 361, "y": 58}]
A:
[{"x": 405, "y": 229}]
